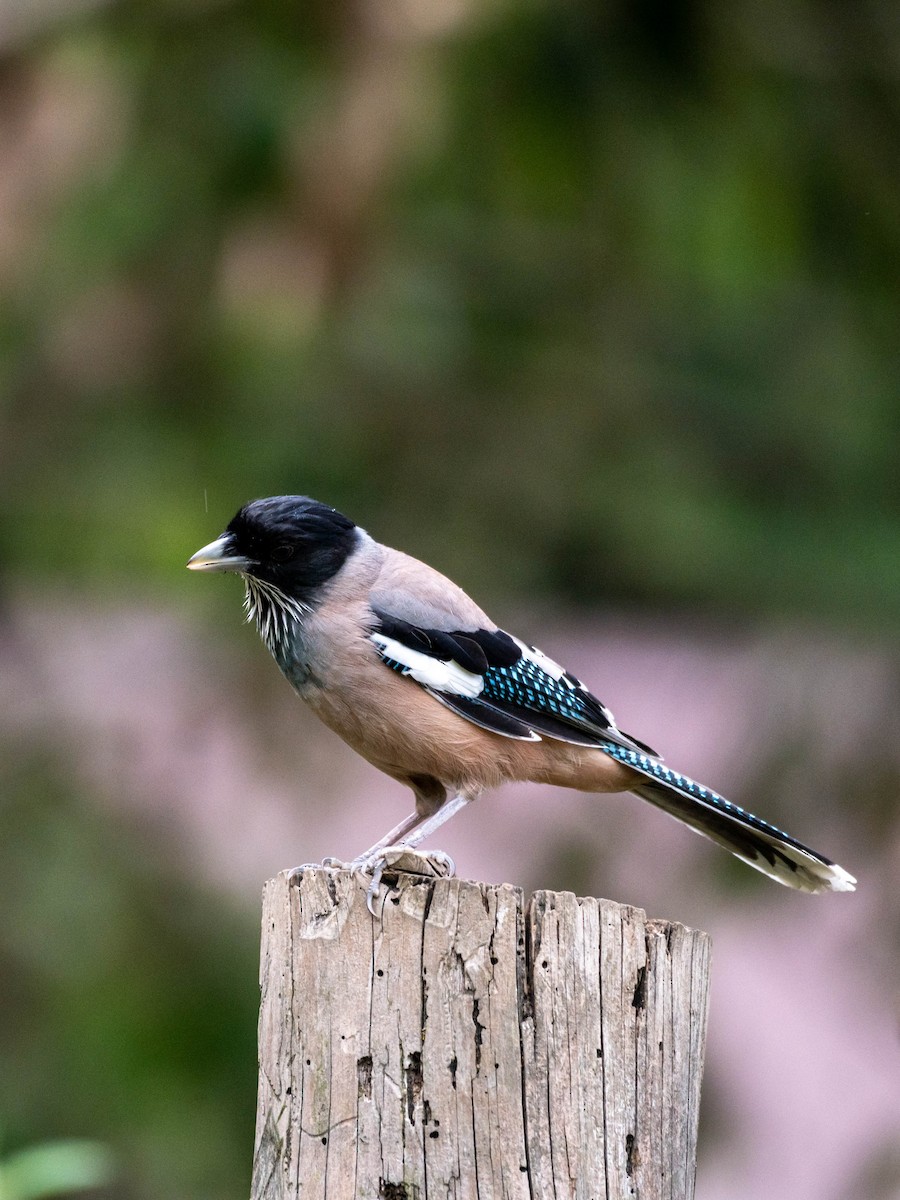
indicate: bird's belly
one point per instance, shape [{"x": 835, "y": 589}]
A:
[{"x": 404, "y": 731}]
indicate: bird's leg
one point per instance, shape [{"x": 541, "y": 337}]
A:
[
  {"x": 396, "y": 836},
  {"x": 425, "y": 828},
  {"x": 414, "y": 829},
  {"x": 392, "y": 840},
  {"x": 396, "y": 849}
]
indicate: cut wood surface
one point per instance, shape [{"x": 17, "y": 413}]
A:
[{"x": 466, "y": 1046}]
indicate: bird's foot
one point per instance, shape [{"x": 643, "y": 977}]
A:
[
  {"x": 394, "y": 860},
  {"x": 390, "y": 861},
  {"x": 327, "y": 864}
]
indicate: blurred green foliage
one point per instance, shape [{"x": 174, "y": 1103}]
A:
[
  {"x": 595, "y": 301},
  {"x": 128, "y": 995},
  {"x": 590, "y": 300},
  {"x": 54, "y": 1169}
]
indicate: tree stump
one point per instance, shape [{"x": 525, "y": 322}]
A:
[{"x": 470, "y": 1047}]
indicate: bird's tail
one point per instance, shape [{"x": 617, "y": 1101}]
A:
[{"x": 751, "y": 839}]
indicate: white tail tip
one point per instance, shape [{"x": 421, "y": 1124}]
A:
[{"x": 841, "y": 880}]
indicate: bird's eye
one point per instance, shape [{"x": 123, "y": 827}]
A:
[{"x": 283, "y": 552}]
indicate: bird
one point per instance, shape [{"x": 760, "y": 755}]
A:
[{"x": 407, "y": 668}]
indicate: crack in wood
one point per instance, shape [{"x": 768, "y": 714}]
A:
[
  {"x": 364, "y": 1077},
  {"x": 413, "y": 1084}
]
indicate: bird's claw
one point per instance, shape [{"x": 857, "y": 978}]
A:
[
  {"x": 327, "y": 864},
  {"x": 391, "y": 861}
]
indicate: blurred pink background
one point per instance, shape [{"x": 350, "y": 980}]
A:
[{"x": 801, "y": 1095}]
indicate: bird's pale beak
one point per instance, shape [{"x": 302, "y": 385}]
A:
[{"x": 218, "y": 556}]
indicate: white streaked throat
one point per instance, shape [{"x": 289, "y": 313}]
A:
[{"x": 276, "y": 614}]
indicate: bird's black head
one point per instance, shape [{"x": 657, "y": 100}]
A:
[{"x": 292, "y": 543}]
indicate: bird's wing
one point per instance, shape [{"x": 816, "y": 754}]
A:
[{"x": 438, "y": 637}]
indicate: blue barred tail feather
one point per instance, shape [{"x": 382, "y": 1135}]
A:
[{"x": 749, "y": 838}]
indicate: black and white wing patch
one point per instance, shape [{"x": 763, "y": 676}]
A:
[
  {"x": 498, "y": 682},
  {"x": 452, "y": 666}
]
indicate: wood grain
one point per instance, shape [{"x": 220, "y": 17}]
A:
[{"x": 464, "y": 1046}]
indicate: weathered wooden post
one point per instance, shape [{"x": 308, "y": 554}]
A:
[{"x": 467, "y": 1046}]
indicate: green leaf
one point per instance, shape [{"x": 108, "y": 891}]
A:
[{"x": 54, "y": 1169}]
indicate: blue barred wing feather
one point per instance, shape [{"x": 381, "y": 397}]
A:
[{"x": 499, "y": 683}]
